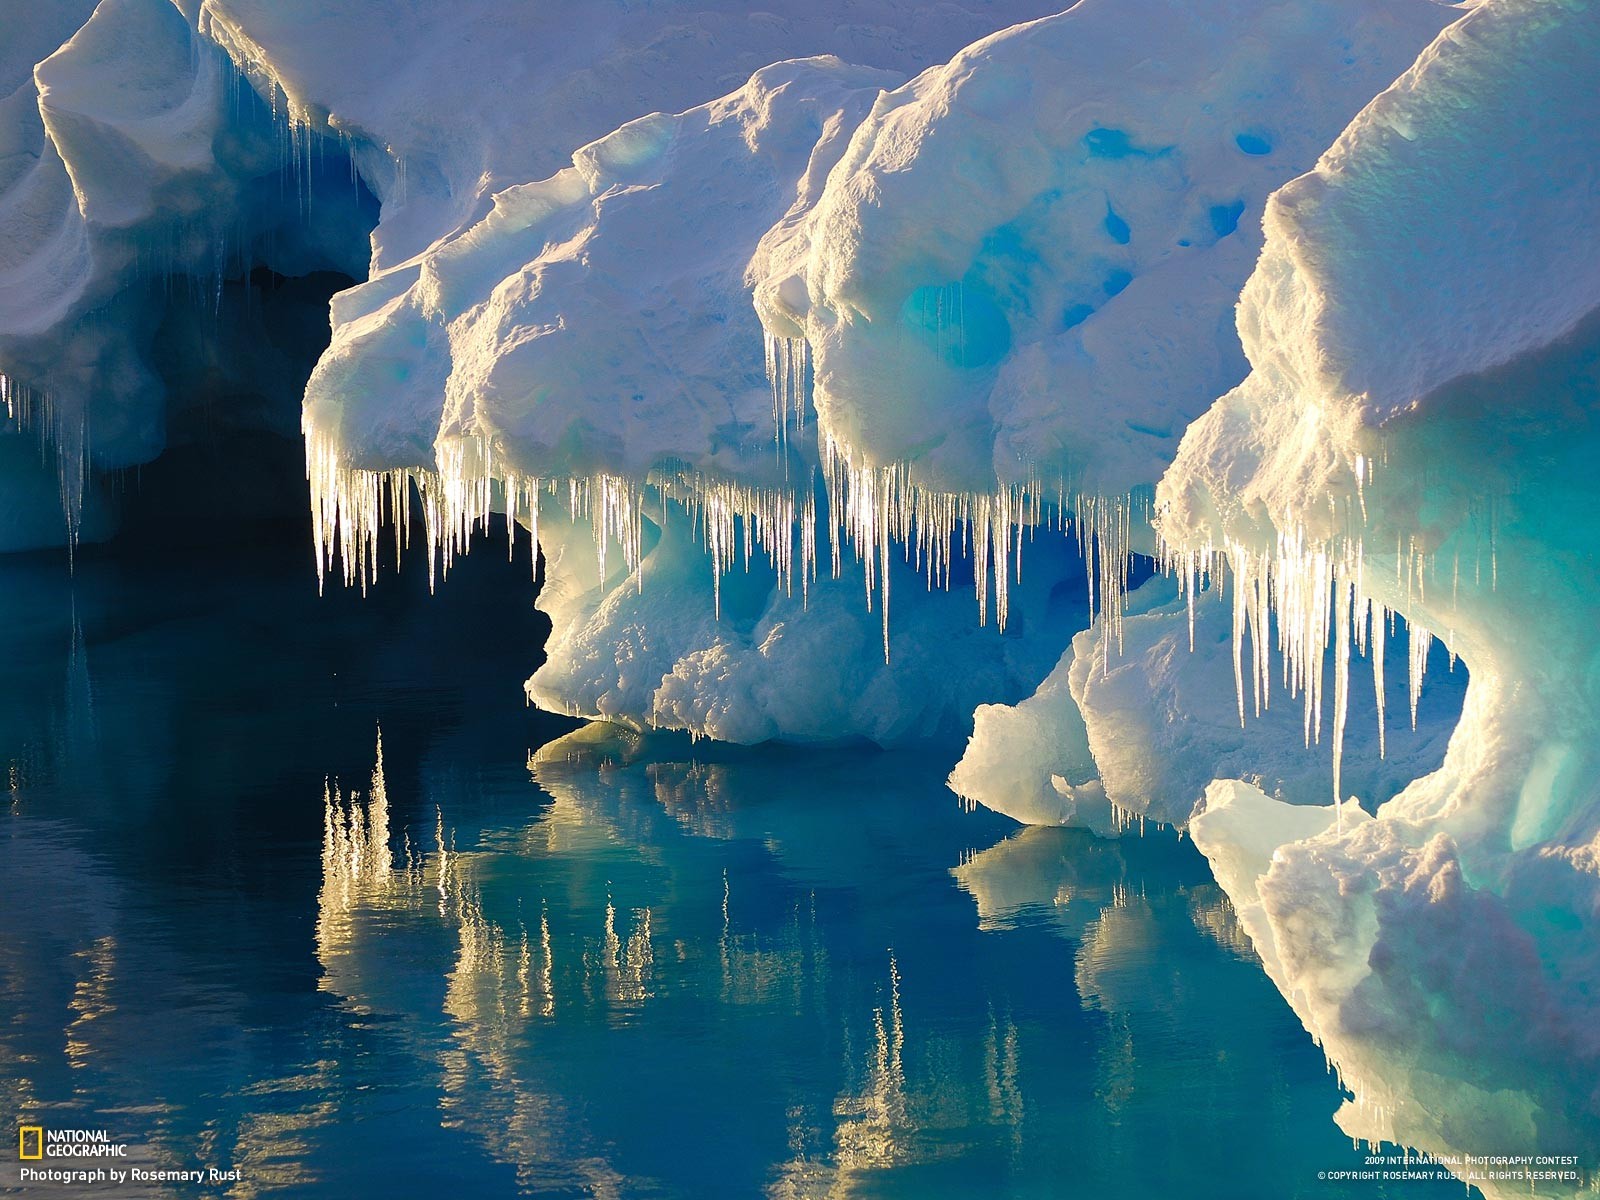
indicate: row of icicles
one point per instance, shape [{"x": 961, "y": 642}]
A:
[
  {"x": 873, "y": 508},
  {"x": 1313, "y": 594},
  {"x": 1303, "y": 597},
  {"x": 63, "y": 438}
]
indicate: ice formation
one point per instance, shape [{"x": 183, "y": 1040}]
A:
[
  {"x": 588, "y": 342},
  {"x": 137, "y": 174},
  {"x": 790, "y": 384},
  {"x": 582, "y": 353},
  {"x": 1133, "y": 724},
  {"x": 1415, "y": 435}
]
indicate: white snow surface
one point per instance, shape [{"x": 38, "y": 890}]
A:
[
  {"x": 595, "y": 321},
  {"x": 1026, "y": 263}
]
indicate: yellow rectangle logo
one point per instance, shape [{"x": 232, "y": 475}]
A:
[{"x": 35, "y": 1134}]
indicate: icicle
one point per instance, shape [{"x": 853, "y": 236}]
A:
[
  {"x": 870, "y": 508},
  {"x": 1378, "y": 640},
  {"x": 1241, "y": 595},
  {"x": 788, "y": 363},
  {"x": 1342, "y": 619},
  {"x": 1421, "y": 640},
  {"x": 1316, "y": 594}
]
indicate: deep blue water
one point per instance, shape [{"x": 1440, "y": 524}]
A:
[{"x": 638, "y": 968}]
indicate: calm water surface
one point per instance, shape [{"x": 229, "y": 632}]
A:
[{"x": 525, "y": 958}]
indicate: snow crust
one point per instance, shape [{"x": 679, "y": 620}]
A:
[{"x": 1025, "y": 265}]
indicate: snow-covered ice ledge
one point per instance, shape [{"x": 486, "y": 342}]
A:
[{"x": 1419, "y": 431}]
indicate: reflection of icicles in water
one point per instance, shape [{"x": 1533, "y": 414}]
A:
[
  {"x": 557, "y": 944},
  {"x": 493, "y": 972},
  {"x": 696, "y": 794},
  {"x": 890, "y": 1115},
  {"x": 875, "y": 1123},
  {"x": 626, "y": 968},
  {"x": 91, "y": 997},
  {"x": 495, "y": 991},
  {"x": 359, "y": 871},
  {"x": 490, "y": 996},
  {"x": 766, "y": 970},
  {"x": 1214, "y": 916},
  {"x": 81, "y": 729},
  {"x": 537, "y": 992},
  {"x": 1000, "y": 1074}
]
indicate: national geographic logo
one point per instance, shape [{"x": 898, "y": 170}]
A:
[{"x": 36, "y": 1143}]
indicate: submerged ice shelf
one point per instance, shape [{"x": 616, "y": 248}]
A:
[{"x": 772, "y": 379}]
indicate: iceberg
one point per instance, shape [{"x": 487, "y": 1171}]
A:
[
  {"x": 1414, "y": 437},
  {"x": 137, "y": 176},
  {"x": 844, "y": 362},
  {"x": 586, "y": 359},
  {"x": 588, "y": 345}
]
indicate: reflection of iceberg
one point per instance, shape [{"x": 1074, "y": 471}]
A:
[
  {"x": 1158, "y": 955},
  {"x": 496, "y": 985},
  {"x": 1067, "y": 876},
  {"x": 511, "y": 972},
  {"x": 1073, "y": 882},
  {"x": 842, "y": 1066},
  {"x": 88, "y": 972}
]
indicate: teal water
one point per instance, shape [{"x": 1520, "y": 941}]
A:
[{"x": 543, "y": 960}]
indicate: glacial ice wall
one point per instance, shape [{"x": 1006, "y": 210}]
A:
[
  {"x": 1417, "y": 435},
  {"x": 137, "y": 174}
]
